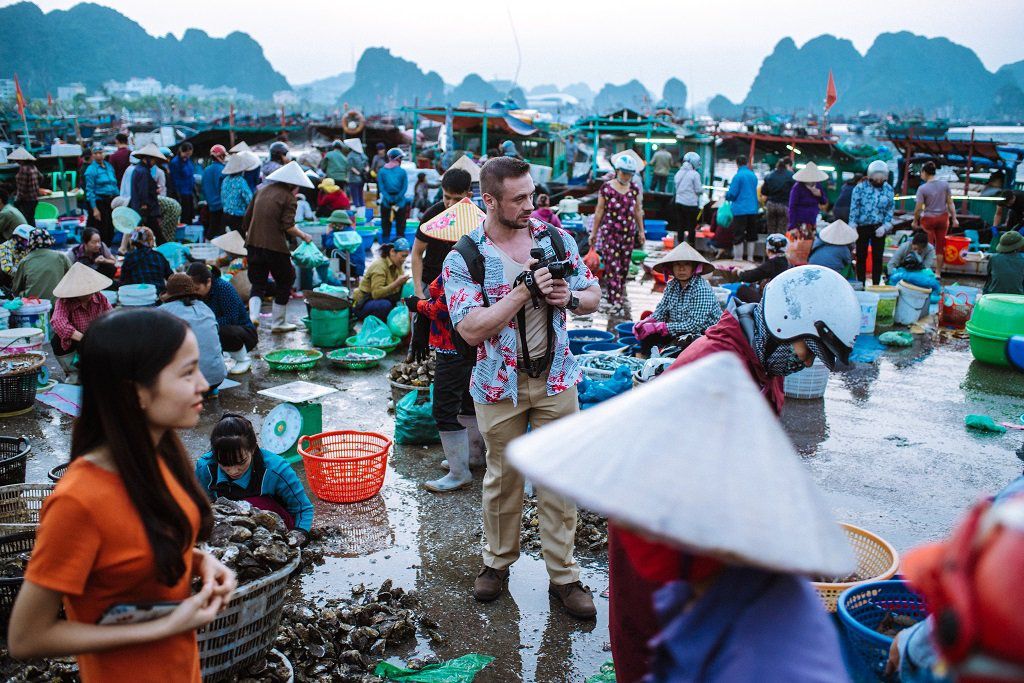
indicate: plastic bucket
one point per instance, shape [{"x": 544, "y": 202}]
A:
[
  {"x": 20, "y": 340},
  {"x": 604, "y": 347},
  {"x": 956, "y": 247},
  {"x": 328, "y": 328},
  {"x": 868, "y": 311},
  {"x": 580, "y": 338},
  {"x": 35, "y": 315},
  {"x": 624, "y": 329},
  {"x": 886, "y": 303},
  {"x": 911, "y": 304}
]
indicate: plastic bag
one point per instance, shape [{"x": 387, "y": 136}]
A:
[
  {"x": 414, "y": 422},
  {"x": 606, "y": 675},
  {"x": 328, "y": 328},
  {"x": 347, "y": 240},
  {"x": 896, "y": 338},
  {"x": 373, "y": 332},
  {"x": 174, "y": 252},
  {"x": 460, "y": 670},
  {"x": 724, "y": 215},
  {"x": 398, "y": 320},
  {"x": 919, "y": 278},
  {"x": 983, "y": 423},
  {"x": 592, "y": 392},
  {"x": 592, "y": 260},
  {"x": 308, "y": 256}
]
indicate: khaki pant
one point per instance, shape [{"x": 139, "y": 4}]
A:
[
  {"x": 777, "y": 217},
  {"x": 503, "y": 486}
]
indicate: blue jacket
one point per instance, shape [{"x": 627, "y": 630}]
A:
[
  {"x": 144, "y": 192},
  {"x": 100, "y": 181},
  {"x": 268, "y": 475},
  {"x": 182, "y": 176},
  {"x": 212, "y": 179},
  {"x": 834, "y": 256},
  {"x": 204, "y": 325},
  {"x": 392, "y": 184},
  {"x": 743, "y": 193}
]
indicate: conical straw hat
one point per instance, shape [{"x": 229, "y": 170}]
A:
[
  {"x": 838, "y": 232},
  {"x": 640, "y": 163},
  {"x": 466, "y": 164},
  {"x": 242, "y": 146},
  {"x": 150, "y": 150},
  {"x": 354, "y": 144},
  {"x": 81, "y": 280},
  {"x": 461, "y": 218},
  {"x": 125, "y": 219},
  {"x": 684, "y": 252},
  {"x": 692, "y": 478},
  {"x": 231, "y": 242},
  {"x": 292, "y": 174},
  {"x": 20, "y": 154},
  {"x": 810, "y": 174}
]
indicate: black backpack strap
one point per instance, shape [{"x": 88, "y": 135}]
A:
[
  {"x": 557, "y": 243},
  {"x": 470, "y": 253}
]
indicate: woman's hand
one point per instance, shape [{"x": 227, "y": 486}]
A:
[
  {"x": 214, "y": 573},
  {"x": 76, "y": 336},
  {"x": 193, "y": 613}
]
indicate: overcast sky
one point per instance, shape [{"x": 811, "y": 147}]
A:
[{"x": 713, "y": 46}]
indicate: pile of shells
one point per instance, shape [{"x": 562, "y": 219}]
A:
[
  {"x": 274, "y": 669},
  {"x": 250, "y": 541},
  {"x": 591, "y": 530},
  {"x": 13, "y": 567},
  {"x": 416, "y": 374},
  {"x": 64, "y": 670},
  {"x": 343, "y": 640}
]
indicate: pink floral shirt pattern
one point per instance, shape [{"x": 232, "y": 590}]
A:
[{"x": 495, "y": 376}]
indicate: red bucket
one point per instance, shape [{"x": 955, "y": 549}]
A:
[
  {"x": 345, "y": 466},
  {"x": 956, "y": 247}
]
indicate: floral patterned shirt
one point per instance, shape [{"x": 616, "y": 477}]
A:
[
  {"x": 495, "y": 376},
  {"x": 870, "y": 205}
]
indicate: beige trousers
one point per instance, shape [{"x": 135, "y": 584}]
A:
[{"x": 503, "y": 486}]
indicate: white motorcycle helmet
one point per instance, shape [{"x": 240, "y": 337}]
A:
[
  {"x": 626, "y": 163},
  {"x": 878, "y": 167},
  {"x": 813, "y": 304},
  {"x": 693, "y": 158}
]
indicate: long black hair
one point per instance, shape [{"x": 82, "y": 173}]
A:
[
  {"x": 232, "y": 439},
  {"x": 120, "y": 352}
]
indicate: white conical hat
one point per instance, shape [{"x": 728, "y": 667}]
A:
[
  {"x": 810, "y": 174},
  {"x": 838, "y": 232},
  {"x": 20, "y": 154},
  {"x": 240, "y": 162},
  {"x": 692, "y": 478},
  {"x": 684, "y": 252},
  {"x": 150, "y": 150},
  {"x": 232, "y": 242},
  {"x": 640, "y": 163},
  {"x": 81, "y": 280},
  {"x": 242, "y": 146},
  {"x": 292, "y": 174},
  {"x": 466, "y": 164},
  {"x": 354, "y": 144}
]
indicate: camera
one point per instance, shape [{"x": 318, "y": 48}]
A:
[{"x": 558, "y": 269}]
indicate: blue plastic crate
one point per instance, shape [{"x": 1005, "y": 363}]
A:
[
  {"x": 655, "y": 229},
  {"x": 193, "y": 233},
  {"x": 861, "y": 609}
]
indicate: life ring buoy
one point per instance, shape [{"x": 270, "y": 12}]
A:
[
  {"x": 353, "y": 122},
  {"x": 665, "y": 112}
]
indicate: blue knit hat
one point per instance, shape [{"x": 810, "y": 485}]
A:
[{"x": 401, "y": 244}]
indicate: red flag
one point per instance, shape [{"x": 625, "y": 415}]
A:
[
  {"x": 18, "y": 97},
  {"x": 830, "y": 92}
]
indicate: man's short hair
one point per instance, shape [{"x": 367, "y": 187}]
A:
[
  {"x": 456, "y": 181},
  {"x": 185, "y": 147},
  {"x": 782, "y": 163},
  {"x": 919, "y": 239},
  {"x": 499, "y": 169},
  {"x": 122, "y": 138},
  {"x": 741, "y": 160}
]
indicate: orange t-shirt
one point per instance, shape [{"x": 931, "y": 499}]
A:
[{"x": 91, "y": 547}]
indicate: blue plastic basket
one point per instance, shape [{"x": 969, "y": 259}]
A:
[
  {"x": 624, "y": 329},
  {"x": 193, "y": 233},
  {"x": 604, "y": 347},
  {"x": 580, "y": 338},
  {"x": 861, "y": 610},
  {"x": 368, "y": 237},
  {"x": 655, "y": 229},
  {"x": 60, "y": 238}
]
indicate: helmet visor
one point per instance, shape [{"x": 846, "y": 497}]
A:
[{"x": 830, "y": 347}]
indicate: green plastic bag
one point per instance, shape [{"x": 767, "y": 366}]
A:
[
  {"x": 373, "y": 332},
  {"x": 408, "y": 289},
  {"x": 328, "y": 328},
  {"x": 724, "y": 216},
  {"x": 607, "y": 674},
  {"x": 896, "y": 338},
  {"x": 398, "y": 320},
  {"x": 983, "y": 423},
  {"x": 308, "y": 256},
  {"x": 461, "y": 670},
  {"x": 414, "y": 422}
]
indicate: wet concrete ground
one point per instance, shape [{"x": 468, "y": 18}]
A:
[{"x": 887, "y": 444}]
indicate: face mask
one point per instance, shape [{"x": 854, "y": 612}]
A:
[{"x": 877, "y": 183}]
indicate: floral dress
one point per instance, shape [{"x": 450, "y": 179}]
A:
[{"x": 615, "y": 237}]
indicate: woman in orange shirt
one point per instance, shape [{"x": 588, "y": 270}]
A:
[{"x": 122, "y": 524}]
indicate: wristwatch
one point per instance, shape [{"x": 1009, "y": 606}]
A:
[{"x": 573, "y": 304}]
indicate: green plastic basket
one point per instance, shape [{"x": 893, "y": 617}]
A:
[
  {"x": 292, "y": 360},
  {"x": 638, "y": 256},
  {"x": 386, "y": 348},
  {"x": 341, "y": 358}
]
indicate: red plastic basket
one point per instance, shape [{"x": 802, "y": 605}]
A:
[{"x": 345, "y": 466}]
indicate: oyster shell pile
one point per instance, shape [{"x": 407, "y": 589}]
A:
[
  {"x": 591, "y": 530},
  {"x": 64, "y": 670},
  {"x": 250, "y": 541},
  {"x": 14, "y": 566},
  {"x": 416, "y": 374},
  {"x": 343, "y": 640}
]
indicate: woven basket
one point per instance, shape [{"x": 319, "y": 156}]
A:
[
  {"x": 11, "y": 545},
  {"x": 18, "y": 388},
  {"x": 877, "y": 560},
  {"x": 244, "y": 633},
  {"x": 13, "y": 455},
  {"x": 20, "y": 505}
]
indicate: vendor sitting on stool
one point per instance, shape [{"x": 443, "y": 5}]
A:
[
  {"x": 831, "y": 248},
  {"x": 689, "y": 305},
  {"x": 340, "y": 221},
  {"x": 913, "y": 254},
  {"x": 756, "y": 278},
  {"x": 79, "y": 302},
  {"x": 236, "y": 468},
  {"x": 381, "y": 287},
  {"x": 237, "y": 333}
]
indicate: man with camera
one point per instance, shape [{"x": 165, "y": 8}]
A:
[{"x": 509, "y": 285}]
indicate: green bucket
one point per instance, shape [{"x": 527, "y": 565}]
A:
[{"x": 328, "y": 328}]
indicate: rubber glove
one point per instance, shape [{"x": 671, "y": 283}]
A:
[
  {"x": 419, "y": 344},
  {"x": 637, "y": 327},
  {"x": 659, "y": 327},
  {"x": 883, "y": 229}
]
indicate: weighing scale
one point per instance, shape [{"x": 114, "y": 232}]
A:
[{"x": 298, "y": 415}]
